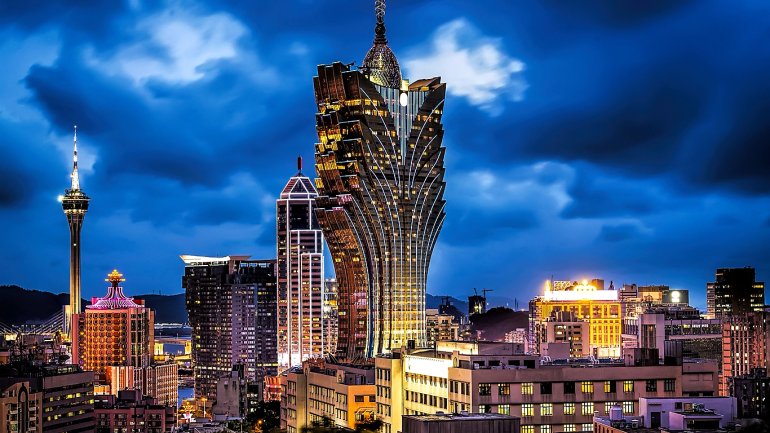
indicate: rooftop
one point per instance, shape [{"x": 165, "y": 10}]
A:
[{"x": 444, "y": 417}]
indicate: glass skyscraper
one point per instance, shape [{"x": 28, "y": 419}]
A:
[{"x": 380, "y": 165}]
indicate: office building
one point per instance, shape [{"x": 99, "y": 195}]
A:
[
  {"x": 129, "y": 411},
  {"x": 300, "y": 269},
  {"x": 330, "y": 315},
  {"x": 75, "y": 205},
  {"x": 696, "y": 337},
  {"x": 380, "y": 165},
  {"x": 113, "y": 331},
  {"x": 735, "y": 291},
  {"x": 59, "y": 397},
  {"x": 344, "y": 393},
  {"x": 232, "y": 305},
  {"x": 745, "y": 347},
  {"x": 565, "y": 303},
  {"x": 159, "y": 381},
  {"x": 496, "y": 378},
  {"x": 20, "y": 406},
  {"x": 752, "y": 392}
]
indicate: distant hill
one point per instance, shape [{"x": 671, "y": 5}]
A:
[
  {"x": 497, "y": 321},
  {"x": 19, "y": 305},
  {"x": 168, "y": 308},
  {"x": 433, "y": 301}
]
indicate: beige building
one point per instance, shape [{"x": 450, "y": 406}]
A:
[
  {"x": 495, "y": 378},
  {"x": 158, "y": 381},
  {"x": 343, "y": 393}
]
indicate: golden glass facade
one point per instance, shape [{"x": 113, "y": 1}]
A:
[
  {"x": 584, "y": 302},
  {"x": 380, "y": 166}
]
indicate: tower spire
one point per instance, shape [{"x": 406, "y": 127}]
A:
[
  {"x": 379, "y": 28},
  {"x": 74, "y": 175},
  {"x": 299, "y": 164}
]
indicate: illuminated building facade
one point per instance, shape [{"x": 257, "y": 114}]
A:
[
  {"x": 300, "y": 268},
  {"x": 584, "y": 302},
  {"x": 343, "y": 393},
  {"x": 745, "y": 347},
  {"x": 735, "y": 291},
  {"x": 232, "y": 306},
  {"x": 487, "y": 377},
  {"x": 75, "y": 205},
  {"x": 380, "y": 165},
  {"x": 330, "y": 315},
  {"x": 114, "y": 330},
  {"x": 160, "y": 381}
]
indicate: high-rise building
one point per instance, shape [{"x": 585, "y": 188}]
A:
[
  {"x": 735, "y": 291},
  {"x": 330, "y": 314},
  {"x": 380, "y": 165},
  {"x": 583, "y": 301},
  {"x": 75, "y": 205},
  {"x": 231, "y": 304},
  {"x": 300, "y": 269},
  {"x": 113, "y": 331},
  {"x": 745, "y": 346}
]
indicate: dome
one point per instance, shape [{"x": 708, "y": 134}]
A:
[{"x": 380, "y": 63}]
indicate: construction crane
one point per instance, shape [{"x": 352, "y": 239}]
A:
[{"x": 484, "y": 292}]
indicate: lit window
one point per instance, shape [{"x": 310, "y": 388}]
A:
[
  {"x": 628, "y": 407},
  {"x": 587, "y": 427},
  {"x": 609, "y": 386},
  {"x": 546, "y": 409},
  {"x": 527, "y": 429},
  {"x": 569, "y": 428},
  {"x": 527, "y": 388},
  {"x": 504, "y": 409},
  {"x": 587, "y": 387},
  {"x": 587, "y": 408},
  {"x": 485, "y": 389},
  {"x": 628, "y": 386},
  {"x": 607, "y": 406},
  {"x": 569, "y": 408},
  {"x": 504, "y": 389},
  {"x": 527, "y": 409},
  {"x": 545, "y": 428}
]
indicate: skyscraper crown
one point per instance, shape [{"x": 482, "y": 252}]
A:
[{"x": 380, "y": 63}]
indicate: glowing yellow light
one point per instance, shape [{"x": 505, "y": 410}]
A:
[
  {"x": 60, "y": 198},
  {"x": 585, "y": 282}
]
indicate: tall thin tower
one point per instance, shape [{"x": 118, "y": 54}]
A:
[
  {"x": 300, "y": 275},
  {"x": 380, "y": 165},
  {"x": 75, "y": 205}
]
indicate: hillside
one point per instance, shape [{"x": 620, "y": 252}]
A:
[{"x": 19, "y": 305}]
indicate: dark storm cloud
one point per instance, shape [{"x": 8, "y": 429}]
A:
[
  {"x": 643, "y": 124},
  {"x": 618, "y": 232},
  {"x": 596, "y": 196}
]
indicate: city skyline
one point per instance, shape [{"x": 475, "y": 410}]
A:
[{"x": 588, "y": 178}]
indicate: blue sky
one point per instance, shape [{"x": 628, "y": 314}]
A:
[{"x": 614, "y": 139}]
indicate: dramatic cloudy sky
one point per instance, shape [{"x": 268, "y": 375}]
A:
[{"x": 619, "y": 139}]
